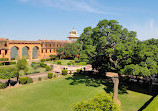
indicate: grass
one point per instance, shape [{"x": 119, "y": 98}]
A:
[
  {"x": 60, "y": 93},
  {"x": 153, "y": 106},
  {"x": 133, "y": 101}
]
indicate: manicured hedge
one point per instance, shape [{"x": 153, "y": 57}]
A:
[
  {"x": 48, "y": 59},
  {"x": 4, "y": 59},
  {"x": 79, "y": 70},
  {"x": 50, "y": 75},
  {"x": 64, "y": 72},
  {"x": 39, "y": 78},
  {"x": 29, "y": 80},
  {"x": 42, "y": 64},
  {"x": 48, "y": 68},
  {"x": 23, "y": 80},
  {"x": 69, "y": 63},
  {"x": 43, "y": 60},
  {"x": 153, "y": 106},
  {"x": 83, "y": 63},
  {"x": 1, "y": 64},
  {"x": 11, "y": 63},
  {"x": 59, "y": 62},
  {"x": 3, "y": 85},
  {"x": 100, "y": 102}
]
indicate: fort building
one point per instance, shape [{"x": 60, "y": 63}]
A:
[{"x": 40, "y": 49}]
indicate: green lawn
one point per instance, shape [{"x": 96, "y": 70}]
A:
[
  {"x": 153, "y": 106},
  {"x": 58, "y": 94}
]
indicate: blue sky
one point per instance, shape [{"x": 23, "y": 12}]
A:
[{"x": 54, "y": 19}]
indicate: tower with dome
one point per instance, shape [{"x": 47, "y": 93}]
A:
[{"x": 73, "y": 35}]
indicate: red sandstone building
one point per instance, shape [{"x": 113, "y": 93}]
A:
[{"x": 43, "y": 48}]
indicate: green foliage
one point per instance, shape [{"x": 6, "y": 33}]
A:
[
  {"x": 79, "y": 70},
  {"x": 72, "y": 62},
  {"x": 11, "y": 63},
  {"x": 69, "y": 63},
  {"x": 64, "y": 72},
  {"x": 43, "y": 60},
  {"x": 21, "y": 63},
  {"x": 3, "y": 85},
  {"x": 82, "y": 63},
  {"x": 8, "y": 72},
  {"x": 48, "y": 59},
  {"x": 33, "y": 63},
  {"x": 25, "y": 70},
  {"x": 23, "y": 80},
  {"x": 12, "y": 58},
  {"x": 4, "y": 59},
  {"x": 100, "y": 102},
  {"x": 52, "y": 56},
  {"x": 48, "y": 68},
  {"x": 29, "y": 80},
  {"x": 42, "y": 64},
  {"x": 56, "y": 58},
  {"x": 50, "y": 75},
  {"x": 153, "y": 105},
  {"x": 39, "y": 78},
  {"x": 59, "y": 62},
  {"x": 1, "y": 64}
]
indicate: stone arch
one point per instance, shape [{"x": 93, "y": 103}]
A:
[
  {"x": 25, "y": 51},
  {"x": 14, "y": 52},
  {"x": 35, "y": 52}
]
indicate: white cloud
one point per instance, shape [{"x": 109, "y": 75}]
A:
[
  {"x": 79, "y": 5},
  {"x": 147, "y": 30}
]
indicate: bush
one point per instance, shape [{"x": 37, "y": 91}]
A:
[
  {"x": 42, "y": 60},
  {"x": 4, "y": 59},
  {"x": 48, "y": 68},
  {"x": 23, "y": 80},
  {"x": 3, "y": 85},
  {"x": 64, "y": 72},
  {"x": 100, "y": 102},
  {"x": 76, "y": 59},
  {"x": 79, "y": 70},
  {"x": 59, "y": 62},
  {"x": 56, "y": 58},
  {"x": 48, "y": 59},
  {"x": 42, "y": 64},
  {"x": 69, "y": 63},
  {"x": 1, "y": 64},
  {"x": 39, "y": 78},
  {"x": 73, "y": 62},
  {"x": 29, "y": 80},
  {"x": 33, "y": 63},
  {"x": 12, "y": 58},
  {"x": 11, "y": 63},
  {"x": 55, "y": 75},
  {"x": 83, "y": 63},
  {"x": 50, "y": 75}
]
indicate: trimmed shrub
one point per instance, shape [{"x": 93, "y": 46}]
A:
[
  {"x": 83, "y": 63},
  {"x": 55, "y": 76},
  {"x": 56, "y": 58},
  {"x": 39, "y": 78},
  {"x": 79, "y": 70},
  {"x": 33, "y": 63},
  {"x": 3, "y": 85},
  {"x": 11, "y": 63},
  {"x": 59, "y": 62},
  {"x": 1, "y": 64},
  {"x": 73, "y": 62},
  {"x": 76, "y": 59},
  {"x": 69, "y": 63},
  {"x": 4, "y": 59},
  {"x": 64, "y": 72},
  {"x": 50, "y": 75},
  {"x": 100, "y": 102},
  {"x": 12, "y": 58},
  {"x": 42, "y": 60},
  {"x": 48, "y": 59},
  {"x": 23, "y": 80},
  {"x": 29, "y": 80},
  {"x": 48, "y": 68},
  {"x": 42, "y": 64}
]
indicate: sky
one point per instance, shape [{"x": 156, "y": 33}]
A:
[{"x": 54, "y": 19}]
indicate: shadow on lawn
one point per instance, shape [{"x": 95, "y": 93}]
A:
[{"x": 90, "y": 78}]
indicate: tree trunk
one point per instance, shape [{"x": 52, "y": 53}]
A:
[{"x": 115, "y": 91}]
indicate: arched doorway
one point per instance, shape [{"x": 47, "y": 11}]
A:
[
  {"x": 14, "y": 53},
  {"x": 35, "y": 52},
  {"x": 25, "y": 52}
]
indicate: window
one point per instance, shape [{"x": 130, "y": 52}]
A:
[
  {"x": 46, "y": 50},
  {"x": 50, "y": 50},
  {"x": 42, "y": 51},
  {"x": 5, "y": 52}
]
